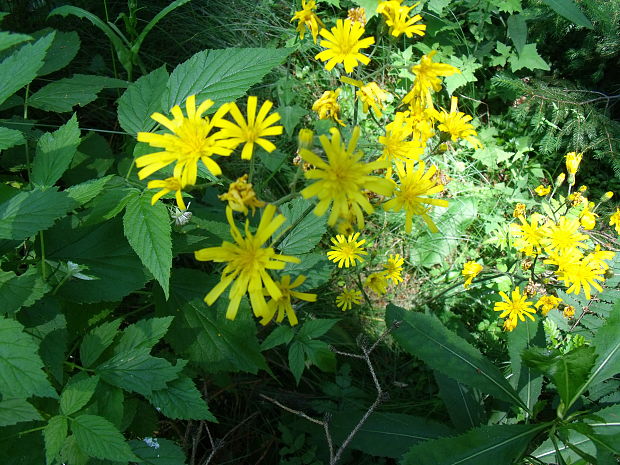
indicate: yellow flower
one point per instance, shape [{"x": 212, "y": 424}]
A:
[
  {"x": 415, "y": 183},
  {"x": 456, "y": 123},
  {"x": 542, "y": 190},
  {"x": 341, "y": 180},
  {"x": 395, "y": 143},
  {"x": 614, "y": 220},
  {"x": 519, "y": 210},
  {"x": 513, "y": 307},
  {"x": 547, "y": 303},
  {"x": 401, "y": 23},
  {"x": 573, "y": 160},
  {"x": 371, "y": 95},
  {"x": 253, "y": 130},
  {"x": 510, "y": 323},
  {"x": 307, "y": 19},
  {"x": 189, "y": 142},
  {"x": 357, "y": 15},
  {"x": 569, "y": 311},
  {"x": 394, "y": 268},
  {"x": 327, "y": 105},
  {"x": 282, "y": 306},
  {"x": 240, "y": 196},
  {"x": 427, "y": 78},
  {"x": 587, "y": 218},
  {"x": 167, "y": 185},
  {"x": 563, "y": 236},
  {"x": 247, "y": 264},
  {"x": 347, "y": 298},
  {"x": 529, "y": 235},
  {"x": 389, "y": 8},
  {"x": 471, "y": 269},
  {"x": 582, "y": 273},
  {"x": 346, "y": 250},
  {"x": 342, "y": 45},
  {"x": 598, "y": 257},
  {"x": 377, "y": 282}
]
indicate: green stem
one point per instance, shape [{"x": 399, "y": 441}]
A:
[
  {"x": 360, "y": 285},
  {"x": 284, "y": 235},
  {"x": 32, "y": 430},
  {"x": 43, "y": 263},
  {"x": 26, "y": 146}
]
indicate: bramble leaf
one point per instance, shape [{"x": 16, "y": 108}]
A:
[{"x": 99, "y": 438}]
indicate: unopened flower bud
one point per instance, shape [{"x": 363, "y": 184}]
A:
[
  {"x": 304, "y": 138},
  {"x": 573, "y": 160},
  {"x": 560, "y": 179},
  {"x": 607, "y": 196}
]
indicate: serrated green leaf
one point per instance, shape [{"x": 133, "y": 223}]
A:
[
  {"x": 468, "y": 66},
  {"x": 437, "y": 5},
  {"x": 302, "y": 230},
  {"x": 147, "y": 228},
  {"x": 313, "y": 329},
  {"x": 72, "y": 453},
  {"x": 318, "y": 353},
  {"x": 21, "y": 67},
  {"x": 517, "y": 31},
  {"x": 99, "y": 438},
  {"x": 138, "y": 371},
  {"x": 21, "y": 373},
  {"x": 63, "y": 50},
  {"x": 141, "y": 99},
  {"x": 8, "y": 39},
  {"x": 220, "y": 75},
  {"x": 425, "y": 337},
  {"x": 10, "y": 138},
  {"x": 528, "y": 58},
  {"x": 79, "y": 90},
  {"x": 108, "y": 402},
  {"x": 296, "y": 360},
  {"x": 291, "y": 115},
  {"x": 14, "y": 411},
  {"x": 158, "y": 451},
  {"x": 486, "y": 445},
  {"x": 280, "y": 335},
  {"x": 86, "y": 191},
  {"x": 27, "y": 213},
  {"x": 315, "y": 266},
  {"x": 181, "y": 400},
  {"x": 464, "y": 404},
  {"x": 144, "y": 334},
  {"x": 77, "y": 393},
  {"x": 54, "y": 435},
  {"x": 569, "y": 10},
  {"x": 98, "y": 340},
  {"x": 55, "y": 151},
  {"x": 21, "y": 291}
]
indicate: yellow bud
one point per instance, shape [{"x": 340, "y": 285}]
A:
[
  {"x": 607, "y": 196},
  {"x": 572, "y": 162},
  {"x": 304, "y": 138},
  {"x": 588, "y": 220},
  {"x": 519, "y": 210},
  {"x": 560, "y": 179},
  {"x": 582, "y": 189}
]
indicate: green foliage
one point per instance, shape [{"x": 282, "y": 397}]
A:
[
  {"x": 570, "y": 10},
  {"x": 141, "y": 99},
  {"x": 14, "y": 411},
  {"x": 99, "y": 438}
]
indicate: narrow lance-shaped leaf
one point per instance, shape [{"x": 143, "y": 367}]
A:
[{"x": 570, "y": 10}]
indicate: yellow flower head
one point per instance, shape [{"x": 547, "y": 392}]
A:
[
  {"x": 396, "y": 142},
  {"x": 357, "y": 15},
  {"x": 519, "y": 210},
  {"x": 587, "y": 218},
  {"x": 240, "y": 196},
  {"x": 573, "y": 160},
  {"x": 327, "y": 105},
  {"x": 305, "y": 137},
  {"x": 542, "y": 190},
  {"x": 346, "y": 250},
  {"x": 456, "y": 123},
  {"x": 427, "y": 78},
  {"x": 371, "y": 95},
  {"x": 569, "y": 311},
  {"x": 307, "y": 19},
  {"x": 167, "y": 185},
  {"x": 547, "y": 303},
  {"x": 282, "y": 307},
  {"x": 471, "y": 269},
  {"x": 388, "y": 8},
  {"x": 394, "y": 268},
  {"x": 377, "y": 282},
  {"x": 414, "y": 184},
  {"x": 253, "y": 130},
  {"x": 247, "y": 264},
  {"x": 341, "y": 180},
  {"x": 614, "y": 220},
  {"x": 342, "y": 45},
  {"x": 188, "y": 142},
  {"x": 529, "y": 236},
  {"x": 347, "y": 298},
  {"x": 563, "y": 236},
  {"x": 515, "y": 306},
  {"x": 510, "y": 323},
  {"x": 598, "y": 257},
  {"x": 400, "y": 22},
  {"x": 579, "y": 274}
]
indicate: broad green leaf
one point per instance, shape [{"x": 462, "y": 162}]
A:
[
  {"x": 55, "y": 151},
  {"x": 54, "y": 435},
  {"x": 108, "y": 402},
  {"x": 10, "y": 138},
  {"x": 8, "y": 39},
  {"x": 96, "y": 341},
  {"x": 144, "y": 334},
  {"x": 517, "y": 31},
  {"x": 21, "y": 291},
  {"x": 529, "y": 59},
  {"x": 79, "y": 90},
  {"x": 27, "y": 213},
  {"x": 290, "y": 117},
  {"x": 180, "y": 400},
  {"x": 147, "y": 228},
  {"x": 296, "y": 360},
  {"x": 141, "y": 99},
  {"x": 99, "y": 438},
  {"x": 314, "y": 266},
  {"x": 468, "y": 65},
  {"x": 138, "y": 371},
  {"x": 63, "y": 50},
  {"x": 302, "y": 230},
  {"x": 158, "y": 451},
  {"x": 487, "y": 445},
  {"x": 72, "y": 453},
  {"x": 220, "y": 75},
  {"x": 437, "y": 5},
  {"x": 111, "y": 202},
  {"x": 20, "y": 68},
  {"x": 77, "y": 393},
  {"x": 21, "y": 373},
  {"x": 88, "y": 190},
  {"x": 569, "y": 10},
  {"x": 313, "y": 329},
  {"x": 318, "y": 353},
  {"x": 281, "y": 335},
  {"x": 425, "y": 337},
  {"x": 14, "y": 411},
  {"x": 464, "y": 404},
  {"x": 93, "y": 160}
]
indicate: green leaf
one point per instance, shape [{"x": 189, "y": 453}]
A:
[
  {"x": 488, "y": 445},
  {"x": 21, "y": 291},
  {"x": 147, "y": 228},
  {"x": 27, "y": 213},
  {"x": 517, "y": 31},
  {"x": 220, "y": 75},
  {"x": 296, "y": 360},
  {"x": 108, "y": 402},
  {"x": 86, "y": 191},
  {"x": 315, "y": 266},
  {"x": 8, "y": 39},
  {"x": 99, "y": 438},
  {"x": 313, "y": 329},
  {"x": 158, "y": 451},
  {"x": 464, "y": 404},
  {"x": 98, "y": 340},
  {"x": 14, "y": 411},
  {"x": 63, "y": 50},
  {"x": 64, "y": 94},
  {"x": 54, "y": 435},
  {"x": 144, "y": 334},
  {"x": 437, "y": 5},
  {"x": 180, "y": 400},
  {"x": 569, "y": 10},
  {"x": 319, "y": 354},
  {"x": 21, "y": 67},
  {"x": 468, "y": 66},
  {"x": 425, "y": 337},
  {"x": 77, "y": 393},
  {"x": 291, "y": 115},
  {"x": 302, "y": 230},
  {"x": 55, "y": 151},
  {"x": 141, "y": 99},
  {"x": 280, "y": 335},
  {"x": 10, "y": 138},
  {"x": 72, "y": 453},
  {"x": 528, "y": 58},
  {"x": 138, "y": 371},
  {"x": 21, "y": 373}
]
